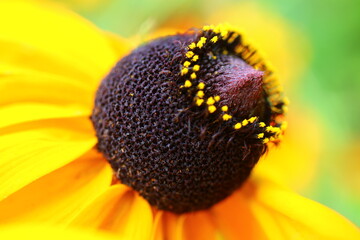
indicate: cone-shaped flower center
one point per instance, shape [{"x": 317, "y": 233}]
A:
[
  {"x": 184, "y": 119},
  {"x": 239, "y": 85}
]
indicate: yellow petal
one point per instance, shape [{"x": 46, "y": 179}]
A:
[
  {"x": 86, "y": 6},
  {"x": 235, "y": 220},
  {"x": 59, "y": 196},
  {"x": 120, "y": 45},
  {"x": 18, "y": 54},
  {"x": 119, "y": 210},
  {"x": 19, "y": 85},
  {"x": 45, "y": 232},
  {"x": 196, "y": 225},
  {"x": 139, "y": 222},
  {"x": 25, "y": 112},
  {"x": 263, "y": 210},
  {"x": 172, "y": 226},
  {"x": 287, "y": 50},
  {"x": 107, "y": 210},
  {"x": 158, "y": 227},
  {"x": 200, "y": 226},
  {"x": 29, "y": 151},
  {"x": 285, "y": 215},
  {"x": 295, "y": 160},
  {"x": 59, "y": 32}
]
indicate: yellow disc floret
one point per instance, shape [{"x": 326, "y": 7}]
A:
[
  {"x": 210, "y": 101},
  {"x": 196, "y": 68},
  {"x": 226, "y": 117},
  {"x": 224, "y": 108},
  {"x": 212, "y": 109},
  {"x": 187, "y": 84},
  {"x": 237, "y": 126},
  {"x": 201, "y": 85},
  {"x": 200, "y": 94}
]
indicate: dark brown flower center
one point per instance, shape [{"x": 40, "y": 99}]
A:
[{"x": 183, "y": 119}]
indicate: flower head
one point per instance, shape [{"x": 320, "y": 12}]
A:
[{"x": 184, "y": 119}]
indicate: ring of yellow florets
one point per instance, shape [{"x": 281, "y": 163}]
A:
[{"x": 229, "y": 41}]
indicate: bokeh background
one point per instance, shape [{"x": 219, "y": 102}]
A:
[{"x": 313, "y": 45}]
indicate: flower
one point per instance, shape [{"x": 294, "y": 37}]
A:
[{"x": 50, "y": 64}]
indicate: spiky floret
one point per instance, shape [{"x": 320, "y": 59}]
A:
[{"x": 184, "y": 119}]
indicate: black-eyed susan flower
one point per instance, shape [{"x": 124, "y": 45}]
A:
[{"x": 184, "y": 141}]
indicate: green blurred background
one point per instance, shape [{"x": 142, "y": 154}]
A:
[{"x": 322, "y": 48}]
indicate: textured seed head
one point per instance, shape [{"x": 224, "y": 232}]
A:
[{"x": 183, "y": 119}]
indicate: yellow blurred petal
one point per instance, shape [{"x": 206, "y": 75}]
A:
[
  {"x": 46, "y": 232},
  {"x": 235, "y": 220},
  {"x": 85, "y": 5},
  {"x": 279, "y": 43},
  {"x": 163, "y": 32},
  {"x": 105, "y": 211},
  {"x": 158, "y": 228},
  {"x": 347, "y": 171},
  {"x": 59, "y": 196},
  {"x": 278, "y": 227},
  {"x": 172, "y": 226},
  {"x": 25, "y": 112},
  {"x": 180, "y": 22},
  {"x": 18, "y": 85},
  {"x": 282, "y": 214},
  {"x": 29, "y": 151},
  {"x": 14, "y": 53},
  {"x": 295, "y": 160},
  {"x": 264, "y": 210},
  {"x": 119, "y": 210},
  {"x": 121, "y": 46},
  {"x": 200, "y": 226},
  {"x": 57, "y": 31},
  {"x": 139, "y": 222}
]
